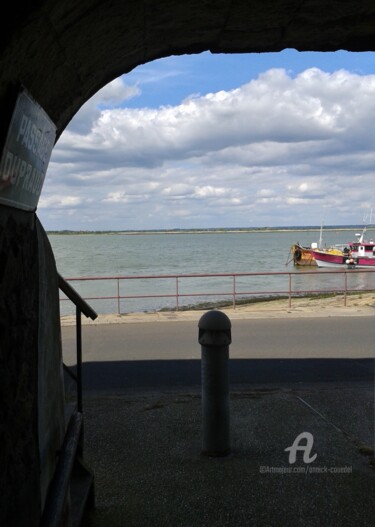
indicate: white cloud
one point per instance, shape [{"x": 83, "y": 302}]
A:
[
  {"x": 209, "y": 192},
  {"x": 296, "y": 144},
  {"x": 114, "y": 93},
  {"x": 123, "y": 197},
  {"x": 59, "y": 201},
  {"x": 177, "y": 190}
]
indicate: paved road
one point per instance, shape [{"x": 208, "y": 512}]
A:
[
  {"x": 336, "y": 337},
  {"x": 122, "y": 356}
]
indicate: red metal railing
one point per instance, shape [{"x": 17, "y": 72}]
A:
[{"x": 234, "y": 292}]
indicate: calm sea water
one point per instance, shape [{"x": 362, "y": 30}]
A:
[{"x": 108, "y": 255}]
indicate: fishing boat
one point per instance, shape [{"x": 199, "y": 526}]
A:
[
  {"x": 303, "y": 256},
  {"x": 355, "y": 255}
]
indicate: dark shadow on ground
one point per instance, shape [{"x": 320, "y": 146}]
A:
[{"x": 122, "y": 375}]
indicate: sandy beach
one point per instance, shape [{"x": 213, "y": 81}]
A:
[{"x": 361, "y": 304}]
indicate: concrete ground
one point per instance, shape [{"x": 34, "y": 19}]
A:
[
  {"x": 143, "y": 443},
  {"x": 145, "y": 450}
]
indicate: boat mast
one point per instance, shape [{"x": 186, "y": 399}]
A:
[
  {"x": 362, "y": 236},
  {"x": 321, "y": 236}
]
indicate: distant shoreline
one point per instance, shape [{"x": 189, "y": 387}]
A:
[{"x": 210, "y": 231}]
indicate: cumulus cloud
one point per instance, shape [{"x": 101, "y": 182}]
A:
[
  {"x": 278, "y": 150},
  {"x": 112, "y": 95}
]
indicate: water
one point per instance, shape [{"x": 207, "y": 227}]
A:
[{"x": 108, "y": 255}]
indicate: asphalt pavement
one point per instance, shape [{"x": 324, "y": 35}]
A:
[{"x": 263, "y": 338}]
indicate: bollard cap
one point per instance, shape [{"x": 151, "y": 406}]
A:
[
  {"x": 214, "y": 329},
  {"x": 214, "y": 321}
]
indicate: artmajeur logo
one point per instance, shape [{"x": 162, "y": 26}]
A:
[
  {"x": 304, "y": 443},
  {"x": 305, "y": 447}
]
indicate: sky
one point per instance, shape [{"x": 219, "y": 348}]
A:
[{"x": 220, "y": 141}]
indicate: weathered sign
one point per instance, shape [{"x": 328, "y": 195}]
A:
[{"x": 26, "y": 154}]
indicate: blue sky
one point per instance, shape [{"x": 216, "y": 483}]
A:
[
  {"x": 204, "y": 141},
  {"x": 169, "y": 81}
]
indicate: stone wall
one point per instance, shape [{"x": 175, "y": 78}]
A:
[
  {"x": 19, "y": 456},
  {"x": 32, "y": 423},
  {"x": 51, "y": 419}
]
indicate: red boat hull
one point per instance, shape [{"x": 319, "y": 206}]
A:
[{"x": 326, "y": 259}]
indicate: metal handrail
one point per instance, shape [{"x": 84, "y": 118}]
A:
[
  {"x": 234, "y": 293},
  {"x": 81, "y": 307},
  {"x": 77, "y": 300},
  {"x": 57, "y": 494}
]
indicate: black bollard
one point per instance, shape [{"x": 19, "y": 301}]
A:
[{"x": 214, "y": 338}]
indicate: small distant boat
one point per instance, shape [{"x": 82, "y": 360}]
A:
[{"x": 355, "y": 255}]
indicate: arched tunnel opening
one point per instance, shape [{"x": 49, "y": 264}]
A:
[{"x": 162, "y": 379}]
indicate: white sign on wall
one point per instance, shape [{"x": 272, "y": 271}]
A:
[{"x": 26, "y": 154}]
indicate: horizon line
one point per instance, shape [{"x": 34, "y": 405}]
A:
[{"x": 209, "y": 229}]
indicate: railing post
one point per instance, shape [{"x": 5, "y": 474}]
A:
[
  {"x": 79, "y": 359},
  {"x": 234, "y": 291},
  {"x": 79, "y": 373},
  {"x": 118, "y": 296},
  {"x": 290, "y": 290},
  {"x": 345, "y": 286},
  {"x": 177, "y": 305}
]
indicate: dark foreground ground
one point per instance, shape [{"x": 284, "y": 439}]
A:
[{"x": 144, "y": 446}]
